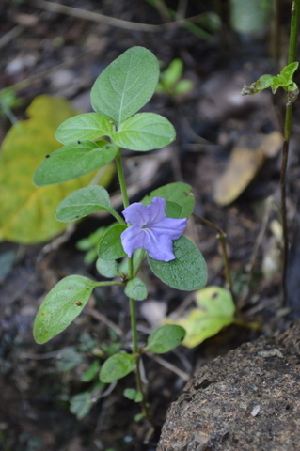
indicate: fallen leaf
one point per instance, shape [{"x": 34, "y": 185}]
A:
[
  {"x": 271, "y": 144},
  {"x": 244, "y": 163},
  {"x": 215, "y": 310},
  {"x": 28, "y": 212}
]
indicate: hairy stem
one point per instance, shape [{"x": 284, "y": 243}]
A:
[{"x": 285, "y": 148}]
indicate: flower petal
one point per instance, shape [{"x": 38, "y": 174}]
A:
[
  {"x": 159, "y": 247},
  {"x": 169, "y": 227},
  {"x": 136, "y": 214},
  {"x": 132, "y": 238},
  {"x": 156, "y": 210}
]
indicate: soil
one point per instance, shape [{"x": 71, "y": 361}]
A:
[{"x": 60, "y": 53}]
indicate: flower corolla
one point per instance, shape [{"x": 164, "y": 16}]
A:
[{"x": 150, "y": 229}]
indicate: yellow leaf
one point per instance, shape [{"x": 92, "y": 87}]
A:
[
  {"x": 215, "y": 310},
  {"x": 28, "y": 212}
]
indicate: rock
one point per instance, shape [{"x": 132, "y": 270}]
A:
[{"x": 247, "y": 400}]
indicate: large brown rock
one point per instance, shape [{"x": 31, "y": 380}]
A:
[{"x": 247, "y": 400}]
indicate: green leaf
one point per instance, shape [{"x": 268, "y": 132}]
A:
[
  {"x": 116, "y": 367},
  {"x": 110, "y": 246},
  {"x": 215, "y": 310},
  {"x": 138, "y": 256},
  {"x": 67, "y": 359},
  {"x": 28, "y": 212},
  {"x": 108, "y": 268},
  {"x": 173, "y": 210},
  {"x": 125, "y": 85},
  {"x": 173, "y": 73},
  {"x": 286, "y": 74},
  {"x": 139, "y": 416},
  {"x": 187, "y": 271},
  {"x": 283, "y": 80},
  {"x": 73, "y": 161},
  {"x": 84, "y": 127},
  {"x": 83, "y": 202},
  {"x": 144, "y": 131},
  {"x": 61, "y": 305},
  {"x": 81, "y": 404},
  {"x": 262, "y": 83},
  {"x": 165, "y": 338},
  {"x": 91, "y": 372},
  {"x": 179, "y": 193},
  {"x": 136, "y": 289},
  {"x": 131, "y": 393},
  {"x": 183, "y": 87}
]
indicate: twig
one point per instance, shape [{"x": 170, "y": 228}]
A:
[
  {"x": 253, "y": 257},
  {"x": 184, "y": 376},
  {"x": 221, "y": 235},
  {"x": 11, "y": 35},
  {"x": 97, "y": 315},
  {"x": 93, "y": 16}
]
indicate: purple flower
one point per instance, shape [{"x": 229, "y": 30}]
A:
[{"x": 151, "y": 230}]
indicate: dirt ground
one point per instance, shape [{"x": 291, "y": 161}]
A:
[{"x": 60, "y": 53}]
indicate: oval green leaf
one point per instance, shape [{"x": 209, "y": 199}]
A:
[
  {"x": 110, "y": 246},
  {"x": 125, "y": 85},
  {"x": 116, "y": 367},
  {"x": 187, "y": 271},
  {"x": 61, "y": 305},
  {"x": 165, "y": 338},
  {"x": 83, "y": 202},
  {"x": 179, "y": 193},
  {"x": 84, "y": 127},
  {"x": 136, "y": 289},
  {"x": 73, "y": 161},
  {"x": 145, "y": 131},
  {"x": 108, "y": 268}
]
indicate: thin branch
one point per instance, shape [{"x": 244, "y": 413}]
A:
[
  {"x": 184, "y": 376},
  {"x": 93, "y": 313},
  {"x": 221, "y": 235},
  {"x": 96, "y": 17}
]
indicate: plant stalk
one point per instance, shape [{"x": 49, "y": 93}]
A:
[
  {"x": 121, "y": 178},
  {"x": 135, "y": 349},
  {"x": 285, "y": 148}
]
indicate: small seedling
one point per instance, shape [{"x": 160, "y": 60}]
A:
[{"x": 171, "y": 82}]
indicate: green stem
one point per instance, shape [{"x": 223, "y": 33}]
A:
[
  {"x": 125, "y": 198},
  {"x": 138, "y": 379},
  {"x": 118, "y": 217},
  {"x": 286, "y": 145},
  {"x": 108, "y": 284},
  {"x": 135, "y": 348},
  {"x": 133, "y": 326},
  {"x": 122, "y": 179}
]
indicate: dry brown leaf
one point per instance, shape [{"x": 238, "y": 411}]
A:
[
  {"x": 242, "y": 167},
  {"x": 244, "y": 163},
  {"x": 271, "y": 143}
]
